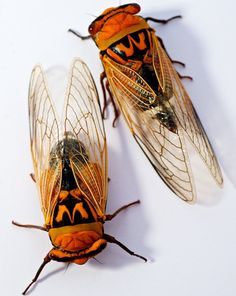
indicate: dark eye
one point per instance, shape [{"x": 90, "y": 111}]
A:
[{"x": 91, "y": 29}]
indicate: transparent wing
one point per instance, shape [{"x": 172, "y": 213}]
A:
[
  {"x": 83, "y": 122},
  {"x": 164, "y": 149},
  {"x": 184, "y": 110},
  {"x": 44, "y": 135}
]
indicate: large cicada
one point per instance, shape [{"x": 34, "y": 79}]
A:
[
  {"x": 70, "y": 168},
  {"x": 149, "y": 93}
]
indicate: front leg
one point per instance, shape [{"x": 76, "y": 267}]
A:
[{"x": 46, "y": 260}]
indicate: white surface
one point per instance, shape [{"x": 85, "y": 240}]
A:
[{"x": 192, "y": 249}]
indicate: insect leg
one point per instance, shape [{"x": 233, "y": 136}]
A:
[
  {"x": 111, "y": 216},
  {"x": 29, "y": 226},
  {"x": 113, "y": 240},
  {"x": 106, "y": 86},
  {"x": 185, "y": 77},
  {"x": 105, "y": 102},
  {"x": 173, "y": 61},
  {"x": 78, "y": 35},
  {"x": 33, "y": 177},
  {"x": 46, "y": 260},
  {"x": 116, "y": 111},
  {"x": 164, "y": 22}
]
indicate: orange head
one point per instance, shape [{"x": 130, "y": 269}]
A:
[
  {"x": 115, "y": 23},
  {"x": 77, "y": 243}
]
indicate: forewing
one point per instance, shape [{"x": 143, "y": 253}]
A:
[
  {"x": 44, "y": 135},
  {"x": 164, "y": 149},
  {"x": 184, "y": 110},
  {"x": 83, "y": 122}
]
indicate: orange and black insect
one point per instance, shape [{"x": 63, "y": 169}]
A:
[
  {"x": 70, "y": 166},
  {"x": 149, "y": 93}
]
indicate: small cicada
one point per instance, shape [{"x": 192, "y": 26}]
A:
[
  {"x": 149, "y": 93},
  {"x": 70, "y": 168}
]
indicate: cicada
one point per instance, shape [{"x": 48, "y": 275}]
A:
[
  {"x": 70, "y": 168},
  {"x": 150, "y": 95}
]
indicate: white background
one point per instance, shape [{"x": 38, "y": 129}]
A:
[{"x": 191, "y": 249}]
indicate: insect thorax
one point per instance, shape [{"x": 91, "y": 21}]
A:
[{"x": 134, "y": 46}]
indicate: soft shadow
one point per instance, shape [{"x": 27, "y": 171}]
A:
[
  {"x": 180, "y": 40},
  {"x": 131, "y": 223},
  {"x": 208, "y": 192}
]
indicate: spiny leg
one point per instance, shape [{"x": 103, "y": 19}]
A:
[
  {"x": 164, "y": 22},
  {"x": 113, "y": 240},
  {"x": 46, "y": 260},
  {"x": 78, "y": 35},
  {"x": 111, "y": 216},
  {"x": 29, "y": 226}
]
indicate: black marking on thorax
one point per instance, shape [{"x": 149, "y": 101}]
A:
[
  {"x": 133, "y": 46},
  {"x": 72, "y": 211}
]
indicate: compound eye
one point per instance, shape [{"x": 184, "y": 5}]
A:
[
  {"x": 132, "y": 8},
  {"x": 91, "y": 29}
]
